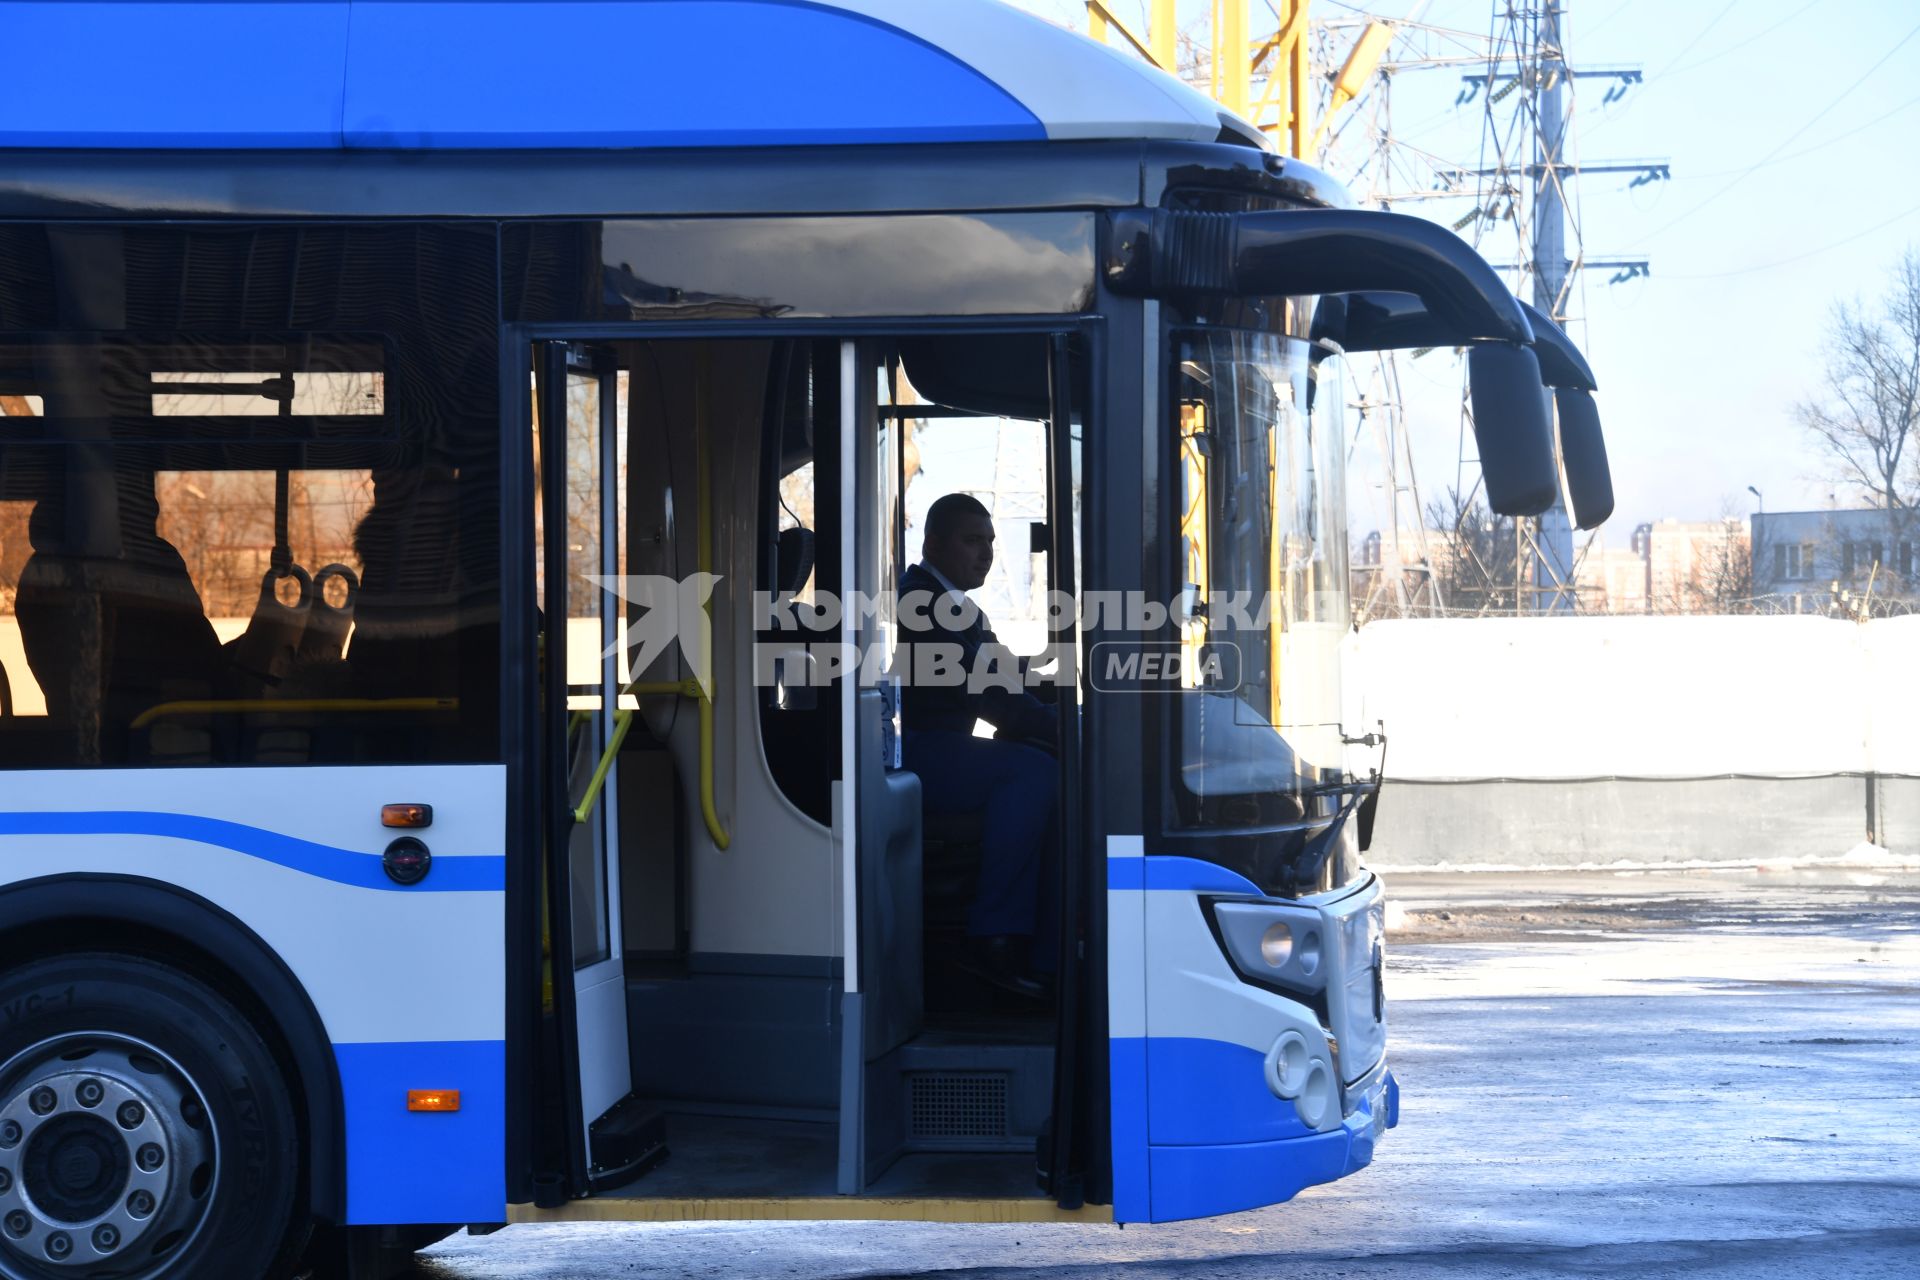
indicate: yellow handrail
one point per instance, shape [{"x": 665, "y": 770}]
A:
[
  {"x": 691, "y": 688},
  {"x": 622, "y": 721},
  {"x": 703, "y": 562},
  {"x": 210, "y": 706}
]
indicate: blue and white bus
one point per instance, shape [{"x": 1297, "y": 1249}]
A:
[{"x": 362, "y": 876}]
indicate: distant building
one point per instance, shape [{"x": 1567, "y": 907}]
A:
[
  {"x": 1611, "y": 580},
  {"x": 1366, "y": 552},
  {"x": 1697, "y": 566},
  {"x": 1379, "y": 586},
  {"x": 1817, "y": 561},
  {"x": 1668, "y": 566}
]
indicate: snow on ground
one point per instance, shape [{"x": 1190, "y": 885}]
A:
[{"x": 1705, "y": 1075}]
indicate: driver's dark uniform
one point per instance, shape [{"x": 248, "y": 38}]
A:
[{"x": 1011, "y": 779}]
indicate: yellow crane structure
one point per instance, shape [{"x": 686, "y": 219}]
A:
[{"x": 1278, "y": 63}]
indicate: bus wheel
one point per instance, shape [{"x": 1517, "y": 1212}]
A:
[{"x": 145, "y": 1130}]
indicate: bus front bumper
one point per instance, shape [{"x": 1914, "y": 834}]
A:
[
  {"x": 1372, "y": 1108},
  {"x": 1202, "y": 1181}
]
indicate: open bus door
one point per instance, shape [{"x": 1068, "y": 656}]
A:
[
  {"x": 809, "y": 1009},
  {"x": 580, "y": 509}
]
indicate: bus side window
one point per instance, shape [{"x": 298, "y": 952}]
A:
[
  {"x": 249, "y": 503},
  {"x": 108, "y": 619}
]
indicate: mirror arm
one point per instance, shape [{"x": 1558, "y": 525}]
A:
[
  {"x": 1380, "y": 320},
  {"x": 1390, "y": 320},
  {"x": 1168, "y": 253},
  {"x": 1561, "y": 363}
]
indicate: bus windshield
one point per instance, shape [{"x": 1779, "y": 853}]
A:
[{"x": 1263, "y": 574}]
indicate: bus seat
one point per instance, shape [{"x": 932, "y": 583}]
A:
[
  {"x": 799, "y": 739},
  {"x": 412, "y": 635},
  {"x": 263, "y": 653},
  {"x": 109, "y": 636},
  {"x": 793, "y": 559}
]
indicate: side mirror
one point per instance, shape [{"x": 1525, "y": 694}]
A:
[
  {"x": 1388, "y": 280},
  {"x": 1513, "y": 429},
  {"x": 1584, "y": 450}
]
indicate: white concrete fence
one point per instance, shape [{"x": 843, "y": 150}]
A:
[
  {"x": 1610, "y": 741},
  {"x": 1605, "y": 741}
]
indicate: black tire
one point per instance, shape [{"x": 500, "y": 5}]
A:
[{"x": 89, "y": 1042}]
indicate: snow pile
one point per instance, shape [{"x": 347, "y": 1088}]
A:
[
  {"x": 1466, "y": 699},
  {"x": 1862, "y": 857}
]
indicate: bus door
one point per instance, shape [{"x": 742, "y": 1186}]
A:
[
  {"x": 954, "y": 1065},
  {"x": 579, "y": 517}
]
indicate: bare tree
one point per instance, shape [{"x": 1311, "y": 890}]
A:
[
  {"x": 1721, "y": 580},
  {"x": 1868, "y": 417},
  {"x": 1477, "y": 555}
]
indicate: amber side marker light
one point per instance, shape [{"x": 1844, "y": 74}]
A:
[
  {"x": 433, "y": 1099},
  {"x": 406, "y": 815}
]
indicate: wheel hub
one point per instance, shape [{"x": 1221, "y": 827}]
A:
[
  {"x": 105, "y": 1150},
  {"x": 76, "y": 1167}
]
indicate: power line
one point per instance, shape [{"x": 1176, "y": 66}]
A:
[
  {"x": 1616, "y": 11},
  {"x": 1822, "y": 145},
  {"x": 1798, "y": 257},
  {"x": 1791, "y": 138},
  {"x": 1732, "y": 48},
  {"x": 1657, "y": 78},
  {"x": 1687, "y": 48}
]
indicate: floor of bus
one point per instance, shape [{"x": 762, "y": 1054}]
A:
[{"x": 735, "y": 1158}]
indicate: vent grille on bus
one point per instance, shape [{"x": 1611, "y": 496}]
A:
[{"x": 948, "y": 1105}]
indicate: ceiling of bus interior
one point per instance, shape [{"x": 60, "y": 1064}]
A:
[{"x": 556, "y": 74}]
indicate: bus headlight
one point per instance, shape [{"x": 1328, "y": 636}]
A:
[
  {"x": 1272, "y": 942},
  {"x": 1276, "y": 944},
  {"x": 1301, "y": 1073}
]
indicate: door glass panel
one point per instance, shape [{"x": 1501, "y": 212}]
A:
[
  {"x": 585, "y": 538},
  {"x": 1001, "y": 461},
  {"x": 885, "y": 515},
  {"x": 587, "y": 621}
]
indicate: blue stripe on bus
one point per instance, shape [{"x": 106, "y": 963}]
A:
[
  {"x": 504, "y": 73},
  {"x": 1202, "y": 1181},
  {"x": 1207, "y": 1095},
  {"x": 173, "y": 75},
  {"x": 412, "y": 1166},
  {"x": 1161, "y": 1173},
  {"x": 1127, "y": 1093},
  {"x": 1210, "y": 1091},
  {"x": 342, "y": 866},
  {"x": 1166, "y": 871},
  {"x": 629, "y": 75}
]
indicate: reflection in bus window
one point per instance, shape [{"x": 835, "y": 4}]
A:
[
  {"x": 249, "y": 500},
  {"x": 321, "y": 393},
  {"x": 1263, "y": 604},
  {"x": 222, "y": 524}
]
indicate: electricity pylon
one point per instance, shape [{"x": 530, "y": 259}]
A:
[
  {"x": 1522, "y": 209},
  {"x": 1266, "y": 79}
]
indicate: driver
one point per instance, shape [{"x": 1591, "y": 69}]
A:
[{"x": 1012, "y": 778}]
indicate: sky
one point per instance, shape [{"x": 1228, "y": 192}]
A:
[{"x": 1790, "y": 128}]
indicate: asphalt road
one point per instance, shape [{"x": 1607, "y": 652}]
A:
[{"x": 1703, "y": 1076}]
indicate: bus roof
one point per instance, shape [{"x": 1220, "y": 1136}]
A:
[{"x": 569, "y": 74}]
